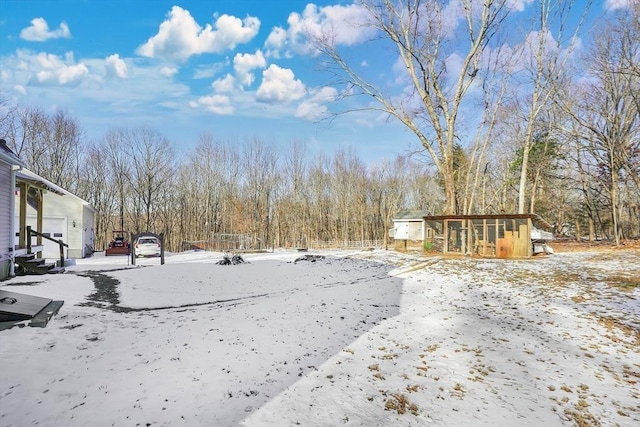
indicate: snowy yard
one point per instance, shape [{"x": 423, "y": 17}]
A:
[{"x": 356, "y": 339}]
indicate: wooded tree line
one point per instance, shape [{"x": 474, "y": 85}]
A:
[{"x": 547, "y": 142}]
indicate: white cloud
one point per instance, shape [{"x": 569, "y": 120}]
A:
[
  {"x": 610, "y": 5},
  {"x": 314, "y": 108},
  {"x": 49, "y": 69},
  {"x": 168, "y": 71},
  {"x": 217, "y": 104},
  {"x": 275, "y": 42},
  {"x": 518, "y": 5},
  {"x": 180, "y": 36},
  {"x": 225, "y": 84},
  {"x": 243, "y": 63},
  {"x": 208, "y": 71},
  {"x": 116, "y": 66},
  {"x": 279, "y": 86},
  {"x": 39, "y": 31},
  {"x": 345, "y": 25}
]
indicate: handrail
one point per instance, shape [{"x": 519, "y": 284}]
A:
[{"x": 61, "y": 244}]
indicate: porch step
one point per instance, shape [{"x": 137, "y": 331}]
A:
[
  {"x": 32, "y": 265},
  {"x": 56, "y": 270},
  {"x": 24, "y": 258},
  {"x": 43, "y": 268}
]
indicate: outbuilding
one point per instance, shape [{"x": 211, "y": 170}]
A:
[
  {"x": 409, "y": 231},
  {"x": 54, "y": 212},
  {"x": 501, "y": 236}
]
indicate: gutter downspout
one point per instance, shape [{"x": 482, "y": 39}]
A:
[{"x": 12, "y": 218}]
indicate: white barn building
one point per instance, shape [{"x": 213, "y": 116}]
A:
[{"x": 65, "y": 216}]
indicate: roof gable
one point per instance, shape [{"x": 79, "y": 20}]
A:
[
  {"x": 9, "y": 156},
  {"x": 411, "y": 214}
]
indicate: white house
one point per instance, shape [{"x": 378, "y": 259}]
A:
[
  {"x": 9, "y": 165},
  {"x": 65, "y": 216}
]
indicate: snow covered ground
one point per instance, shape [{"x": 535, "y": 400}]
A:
[{"x": 361, "y": 338}]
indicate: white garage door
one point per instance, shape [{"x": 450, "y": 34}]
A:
[{"x": 56, "y": 228}]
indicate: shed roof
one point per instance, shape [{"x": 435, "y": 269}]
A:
[
  {"x": 411, "y": 214},
  {"x": 536, "y": 219}
]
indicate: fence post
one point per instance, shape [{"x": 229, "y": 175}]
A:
[{"x": 161, "y": 248}]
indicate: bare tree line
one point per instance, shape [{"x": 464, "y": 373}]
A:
[
  {"x": 558, "y": 134},
  {"x": 539, "y": 102}
]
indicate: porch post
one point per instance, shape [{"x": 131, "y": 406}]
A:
[
  {"x": 39, "y": 220},
  {"x": 22, "y": 240}
]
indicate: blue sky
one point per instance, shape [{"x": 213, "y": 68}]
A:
[{"x": 237, "y": 70}]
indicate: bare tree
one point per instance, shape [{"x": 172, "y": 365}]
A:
[
  {"x": 153, "y": 163},
  {"x": 607, "y": 118},
  {"x": 260, "y": 172},
  {"x": 51, "y": 146},
  {"x": 421, "y": 33},
  {"x": 96, "y": 187},
  {"x": 544, "y": 58},
  {"x": 8, "y": 114},
  {"x": 120, "y": 167}
]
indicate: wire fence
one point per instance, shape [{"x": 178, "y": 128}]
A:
[
  {"x": 345, "y": 244},
  {"x": 232, "y": 243}
]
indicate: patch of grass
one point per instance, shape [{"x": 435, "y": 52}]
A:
[
  {"x": 631, "y": 376},
  {"x": 578, "y": 299},
  {"x": 622, "y": 282},
  {"x": 582, "y": 417},
  {"x": 458, "y": 391},
  {"x": 379, "y": 376},
  {"x": 614, "y": 325},
  {"x": 400, "y": 404},
  {"x": 431, "y": 348},
  {"x": 566, "y": 388},
  {"x": 412, "y": 388}
]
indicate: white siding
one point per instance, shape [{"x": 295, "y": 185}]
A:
[
  {"x": 88, "y": 216},
  {"x": 407, "y": 230},
  {"x": 69, "y": 208},
  {"x": 415, "y": 230},
  {"x": 6, "y": 197}
]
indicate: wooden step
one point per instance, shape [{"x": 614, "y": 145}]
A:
[
  {"x": 41, "y": 268},
  {"x": 56, "y": 270},
  {"x": 24, "y": 258},
  {"x": 35, "y": 261}
]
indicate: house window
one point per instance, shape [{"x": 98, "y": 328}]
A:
[{"x": 57, "y": 234}]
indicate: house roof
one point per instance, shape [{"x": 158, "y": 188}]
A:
[
  {"x": 9, "y": 156},
  {"x": 35, "y": 180},
  {"x": 410, "y": 214},
  {"x": 25, "y": 175}
]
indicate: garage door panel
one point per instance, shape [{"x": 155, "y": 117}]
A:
[{"x": 53, "y": 227}]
